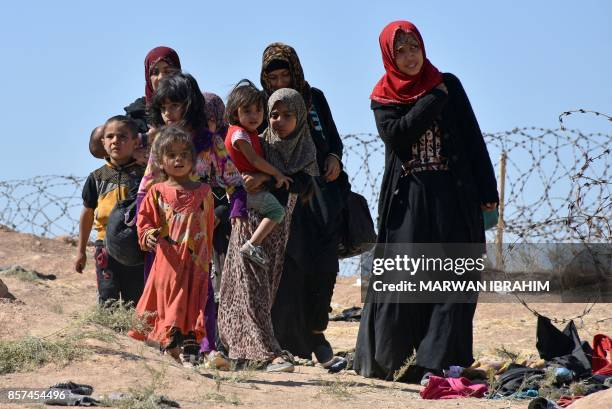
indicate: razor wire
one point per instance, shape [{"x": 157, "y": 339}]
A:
[{"x": 557, "y": 186}]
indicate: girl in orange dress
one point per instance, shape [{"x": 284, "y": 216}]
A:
[{"x": 176, "y": 220}]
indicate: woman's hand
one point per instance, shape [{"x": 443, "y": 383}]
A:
[
  {"x": 488, "y": 206},
  {"x": 332, "y": 168},
  {"x": 253, "y": 181}
]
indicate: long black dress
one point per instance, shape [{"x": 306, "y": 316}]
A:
[
  {"x": 439, "y": 204},
  {"x": 311, "y": 265}
]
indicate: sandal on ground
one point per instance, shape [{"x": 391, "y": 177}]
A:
[
  {"x": 334, "y": 360},
  {"x": 76, "y": 388},
  {"x": 216, "y": 360},
  {"x": 282, "y": 363},
  {"x": 336, "y": 364}
]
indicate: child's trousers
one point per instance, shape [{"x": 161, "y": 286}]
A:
[
  {"x": 115, "y": 279},
  {"x": 266, "y": 204}
]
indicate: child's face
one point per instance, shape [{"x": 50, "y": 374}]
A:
[
  {"x": 96, "y": 143},
  {"x": 177, "y": 161},
  {"x": 159, "y": 71},
  {"x": 119, "y": 142},
  {"x": 408, "y": 53},
  {"x": 172, "y": 112},
  {"x": 282, "y": 120},
  {"x": 212, "y": 125},
  {"x": 250, "y": 117},
  {"x": 280, "y": 78}
]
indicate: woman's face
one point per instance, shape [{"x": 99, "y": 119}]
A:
[
  {"x": 159, "y": 71},
  {"x": 280, "y": 78},
  {"x": 408, "y": 53},
  {"x": 282, "y": 120}
]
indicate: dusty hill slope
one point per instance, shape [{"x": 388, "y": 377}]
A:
[{"x": 45, "y": 306}]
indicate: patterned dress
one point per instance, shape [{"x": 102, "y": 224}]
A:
[
  {"x": 178, "y": 283},
  {"x": 248, "y": 292}
]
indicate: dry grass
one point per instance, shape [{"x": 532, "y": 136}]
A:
[
  {"x": 506, "y": 354},
  {"x": 70, "y": 343},
  {"x": 338, "y": 387},
  {"x": 217, "y": 397},
  {"x": 29, "y": 353},
  {"x": 117, "y": 316},
  {"x": 408, "y": 363},
  {"x": 145, "y": 396}
]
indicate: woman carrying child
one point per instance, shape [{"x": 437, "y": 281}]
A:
[
  {"x": 248, "y": 290},
  {"x": 301, "y": 309},
  {"x": 176, "y": 221}
]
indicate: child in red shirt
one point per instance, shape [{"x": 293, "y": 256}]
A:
[{"x": 244, "y": 112}]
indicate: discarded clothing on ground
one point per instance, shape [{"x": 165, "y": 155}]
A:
[
  {"x": 352, "y": 314},
  {"x": 543, "y": 403},
  {"x": 563, "y": 348},
  {"x": 451, "y": 388},
  {"x": 76, "y": 394},
  {"x": 519, "y": 377}
]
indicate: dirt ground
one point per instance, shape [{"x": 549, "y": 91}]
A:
[{"x": 44, "y": 307}]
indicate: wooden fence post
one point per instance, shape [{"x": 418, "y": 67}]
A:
[{"x": 499, "y": 237}]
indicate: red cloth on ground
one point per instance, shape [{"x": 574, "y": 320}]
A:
[
  {"x": 564, "y": 401},
  {"x": 602, "y": 355},
  {"x": 451, "y": 388}
]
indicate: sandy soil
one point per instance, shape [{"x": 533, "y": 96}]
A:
[{"x": 44, "y": 307}]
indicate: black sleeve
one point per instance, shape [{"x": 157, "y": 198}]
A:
[
  {"x": 301, "y": 183},
  {"x": 329, "y": 126},
  {"x": 400, "y": 132},
  {"x": 90, "y": 192},
  {"x": 137, "y": 110},
  {"x": 482, "y": 168}
]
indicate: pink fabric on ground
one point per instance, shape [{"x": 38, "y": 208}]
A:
[{"x": 451, "y": 388}]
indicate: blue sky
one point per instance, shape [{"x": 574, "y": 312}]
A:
[{"x": 67, "y": 66}]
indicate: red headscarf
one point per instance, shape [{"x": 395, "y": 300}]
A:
[
  {"x": 153, "y": 57},
  {"x": 395, "y": 87}
]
